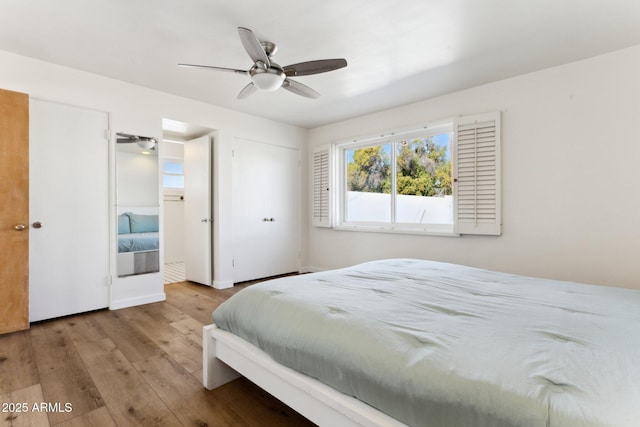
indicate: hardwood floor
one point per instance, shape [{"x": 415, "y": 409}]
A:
[{"x": 139, "y": 366}]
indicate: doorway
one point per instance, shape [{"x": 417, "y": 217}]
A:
[{"x": 187, "y": 172}]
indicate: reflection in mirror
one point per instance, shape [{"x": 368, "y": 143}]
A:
[{"x": 137, "y": 199}]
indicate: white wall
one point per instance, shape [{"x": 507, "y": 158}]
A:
[
  {"x": 566, "y": 147},
  {"x": 137, "y": 179},
  {"x": 138, "y": 110}
]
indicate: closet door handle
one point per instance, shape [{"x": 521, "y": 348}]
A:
[
  {"x": 37, "y": 224},
  {"x": 19, "y": 227},
  {"x": 272, "y": 219}
]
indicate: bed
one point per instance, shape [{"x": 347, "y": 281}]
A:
[
  {"x": 423, "y": 343},
  {"x": 138, "y": 243}
]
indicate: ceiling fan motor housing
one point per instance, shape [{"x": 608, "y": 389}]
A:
[
  {"x": 268, "y": 79},
  {"x": 269, "y": 48}
]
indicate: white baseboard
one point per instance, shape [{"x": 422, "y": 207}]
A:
[
  {"x": 223, "y": 285},
  {"x": 131, "y": 302}
]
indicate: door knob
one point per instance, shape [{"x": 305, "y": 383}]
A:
[
  {"x": 19, "y": 227},
  {"x": 37, "y": 224}
]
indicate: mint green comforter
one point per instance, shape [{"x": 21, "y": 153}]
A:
[{"x": 443, "y": 345}]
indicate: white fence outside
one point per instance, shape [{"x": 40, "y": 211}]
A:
[{"x": 376, "y": 207}]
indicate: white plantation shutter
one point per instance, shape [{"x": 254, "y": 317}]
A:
[
  {"x": 321, "y": 164},
  {"x": 477, "y": 174}
]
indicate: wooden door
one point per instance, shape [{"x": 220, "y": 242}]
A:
[{"x": 14, "y": 211}]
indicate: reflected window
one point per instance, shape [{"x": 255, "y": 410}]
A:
[{"x": 173, "y": 174}]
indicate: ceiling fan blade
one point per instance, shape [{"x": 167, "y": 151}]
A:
[
  {"x": 253, "y": 47},
  {"x": 314, "y": 67},
  {"x": 247, "y": 90},
  {"x": 300, "y": 89},
  {"x": 211, "y": 67}
]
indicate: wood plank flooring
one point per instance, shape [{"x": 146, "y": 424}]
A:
[{"x": 139, "y": 366}]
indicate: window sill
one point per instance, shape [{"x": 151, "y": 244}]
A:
[{"x": 444, "y": 232}]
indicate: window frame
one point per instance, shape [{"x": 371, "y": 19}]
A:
[{"x": 341, "y": 193}]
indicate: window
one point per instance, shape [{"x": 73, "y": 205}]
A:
[
  {"x": 173, "y": 174},
  {"x": 399, "y": 181},
  {"x": 442, "y": 179}
]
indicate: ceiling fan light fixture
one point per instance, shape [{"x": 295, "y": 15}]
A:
[{"x": 268, "y": 79}]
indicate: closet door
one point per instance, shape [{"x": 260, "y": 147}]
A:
[
  {"x": 69, "y": 210},
  {"x": 265, "y": 210},
  {"x": 250, "y": 251},
  {"x": 283, "y": 210}
]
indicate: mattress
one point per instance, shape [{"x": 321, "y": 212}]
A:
[
  {"x": 137, "y": 242},
  {"x": 436, "y": 344}
]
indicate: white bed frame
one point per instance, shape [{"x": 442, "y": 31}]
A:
[{"x": 226, "y": 357}]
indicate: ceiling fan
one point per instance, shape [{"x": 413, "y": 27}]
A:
[{"x": 267, "y": 75}]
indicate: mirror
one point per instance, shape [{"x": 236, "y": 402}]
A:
[{"x": 137, "y": 205}]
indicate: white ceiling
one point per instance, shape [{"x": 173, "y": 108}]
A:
[{"x": 398, "y": 51}]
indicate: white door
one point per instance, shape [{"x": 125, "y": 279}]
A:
[
  {"x": 197, "y": 211},
  {"x": 283, "y": 208},
  {"x": 69, "y": 210},
  {"x": 250, "y": 218},
  {"x": 265, "y": 210}
]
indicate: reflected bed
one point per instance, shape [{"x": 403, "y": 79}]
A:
[
  {"x": 421, "y": 343},
  {"x": 138, "y": 242}
]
